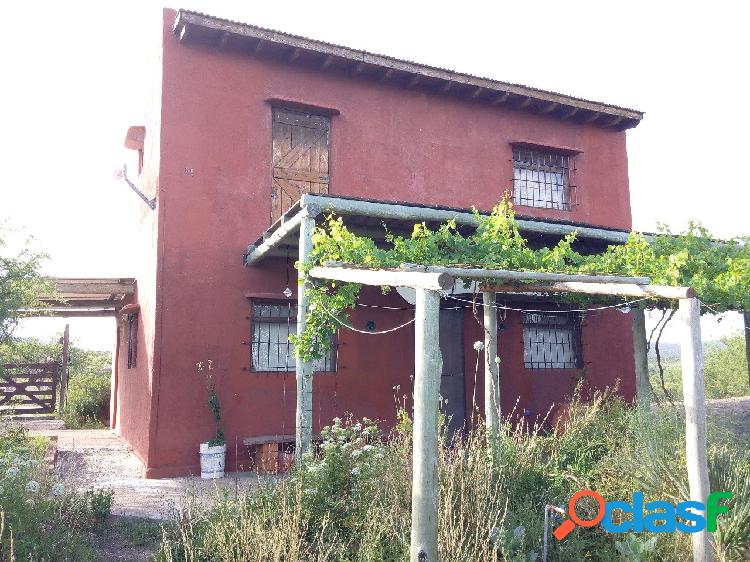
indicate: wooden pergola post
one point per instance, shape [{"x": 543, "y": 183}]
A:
[
  {"x": 695, "y": 417},
  {"x": 64, "y": 361},
  {"x": 303, "y": 437},
  {"x": 746, "y": 318},
  {"x": 491, "y": 369},
  {"x": 425, "y": 489},
  {"x": 640, "y": 353}
]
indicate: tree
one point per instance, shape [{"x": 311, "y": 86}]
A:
[{"x": 21, "y": 283}]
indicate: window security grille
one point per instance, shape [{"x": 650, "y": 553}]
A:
[
  {"x": 541, "y": 179},
  {"x": 271, "y": 350},
  {"x": 551, "y": 341},
  {"x": 132, "y": 325}
]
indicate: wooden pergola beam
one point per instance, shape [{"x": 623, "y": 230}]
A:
[
  {"x": 508, "y": 275},
  {"x": 385, "y": 277},
  {"x": 604, "y": 289},
  {"x": 93, "y": 286},
  {"x": 68, "y": 313}
]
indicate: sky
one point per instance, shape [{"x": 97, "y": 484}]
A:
[{"x": 76, "y": 75}]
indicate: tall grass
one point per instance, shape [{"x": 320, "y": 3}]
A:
[{"x": 351, "y": 501}]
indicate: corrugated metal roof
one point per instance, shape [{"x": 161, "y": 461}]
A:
[{"x": 190, "y": 25}]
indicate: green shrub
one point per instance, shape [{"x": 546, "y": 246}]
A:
[
  {"x": 42, "y": 520},
  {"x": 351, "y": 501},
  {"x": 87, "y": 402},
  {"x": 725, "y": 371}
]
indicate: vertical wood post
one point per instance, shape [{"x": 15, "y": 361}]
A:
[
  {"x": 695, "y": 417},
  {"x": 115, "y": 379},
  {"x": 746, "y": 316},
  {"x": 303, "y": 441},
  {"x": 425, "y": 482},
  {"x": 640, "y": 342},
  {"x": 491, "y": 369},
  {"x": 64, "y": 365}
]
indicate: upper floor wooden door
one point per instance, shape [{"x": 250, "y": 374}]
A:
[{"x": 300, "y": 157}]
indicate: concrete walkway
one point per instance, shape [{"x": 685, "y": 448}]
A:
[{"x": 99, "y": 459}]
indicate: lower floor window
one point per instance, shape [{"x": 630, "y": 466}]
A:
[
  {"x": 271, "y": 350},
  {"x": 551, "y": 340}
]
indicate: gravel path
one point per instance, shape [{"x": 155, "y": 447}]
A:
[{"x": 99, "y": 459}]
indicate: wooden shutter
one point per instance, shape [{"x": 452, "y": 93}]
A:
[{"x": 300, "y": 158}]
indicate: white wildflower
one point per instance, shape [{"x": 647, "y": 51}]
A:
[
  {"x": 494, "y": 534},
  {"x": 356, "y": 453},
  {"x": 367, "y": 448},
  {"x": 58, "y": 489},
  {"x": 355, "y": 470},
  {"x": 478, "y": 346},
  {"x": 30, "y": 502},
  {"x": 32, "y": 486},
  {"x": 12, "y": 472},
  {"x": 497, "y": 360}
]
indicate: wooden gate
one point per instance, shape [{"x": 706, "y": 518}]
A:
[{"x": 28, "y": 388}]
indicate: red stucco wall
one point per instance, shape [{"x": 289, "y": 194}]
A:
[{"x": 214, "y": 199}]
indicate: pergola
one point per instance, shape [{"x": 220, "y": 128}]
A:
[
  {"x": 292, "y": 236},
  {"x": 86, "y": 297}
]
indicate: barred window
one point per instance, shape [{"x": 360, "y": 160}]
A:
[
  {"x": 271, "y": 350},
  {"x": 551, "y": 341},
  {"x": 132, "y": 339},
  {"x": 541, "y": 179}
]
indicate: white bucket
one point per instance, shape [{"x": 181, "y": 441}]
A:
[{"x": 212, "y": 461}]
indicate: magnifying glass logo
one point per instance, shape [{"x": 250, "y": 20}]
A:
[{"x": 569, "y": 524}]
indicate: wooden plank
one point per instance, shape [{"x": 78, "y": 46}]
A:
[
  {"x": 92, "y": 288},
  {"x": 301, "y": 119},
  {"x": 65, "y": 359},
  {"x": 607, "y": 289},
  {"x": 694, "y": 397},
  {"x": 505, "y": 274},
  {"x": 383, "y": 278}
]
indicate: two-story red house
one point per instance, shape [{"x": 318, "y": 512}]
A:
[{"x": 244, "y": 121}]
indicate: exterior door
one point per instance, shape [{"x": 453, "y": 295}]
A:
[
  {"x": 300, "y": 157},
  {"x": 452, "y": 390}
]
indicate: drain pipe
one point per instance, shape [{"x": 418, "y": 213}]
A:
[{"x": 123, "y": 174}]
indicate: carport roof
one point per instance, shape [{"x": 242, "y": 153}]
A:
[
  {"x": 92, "y": 296},
  {"x": 367, "y": 217}
]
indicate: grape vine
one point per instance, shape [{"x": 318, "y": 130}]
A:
[{"x": 719, "y": 270}]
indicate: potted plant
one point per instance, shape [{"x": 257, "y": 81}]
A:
[{"x": 213, "y": 452}]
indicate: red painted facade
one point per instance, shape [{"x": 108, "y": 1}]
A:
[{"x": 208, "y": 160}]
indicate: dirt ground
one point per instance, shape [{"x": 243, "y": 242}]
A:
[
  {"x": 99, "y": 459},
  {"x": 732, "y": 414}
]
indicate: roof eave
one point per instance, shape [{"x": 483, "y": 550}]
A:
[{"x": 193, "y": 26}]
